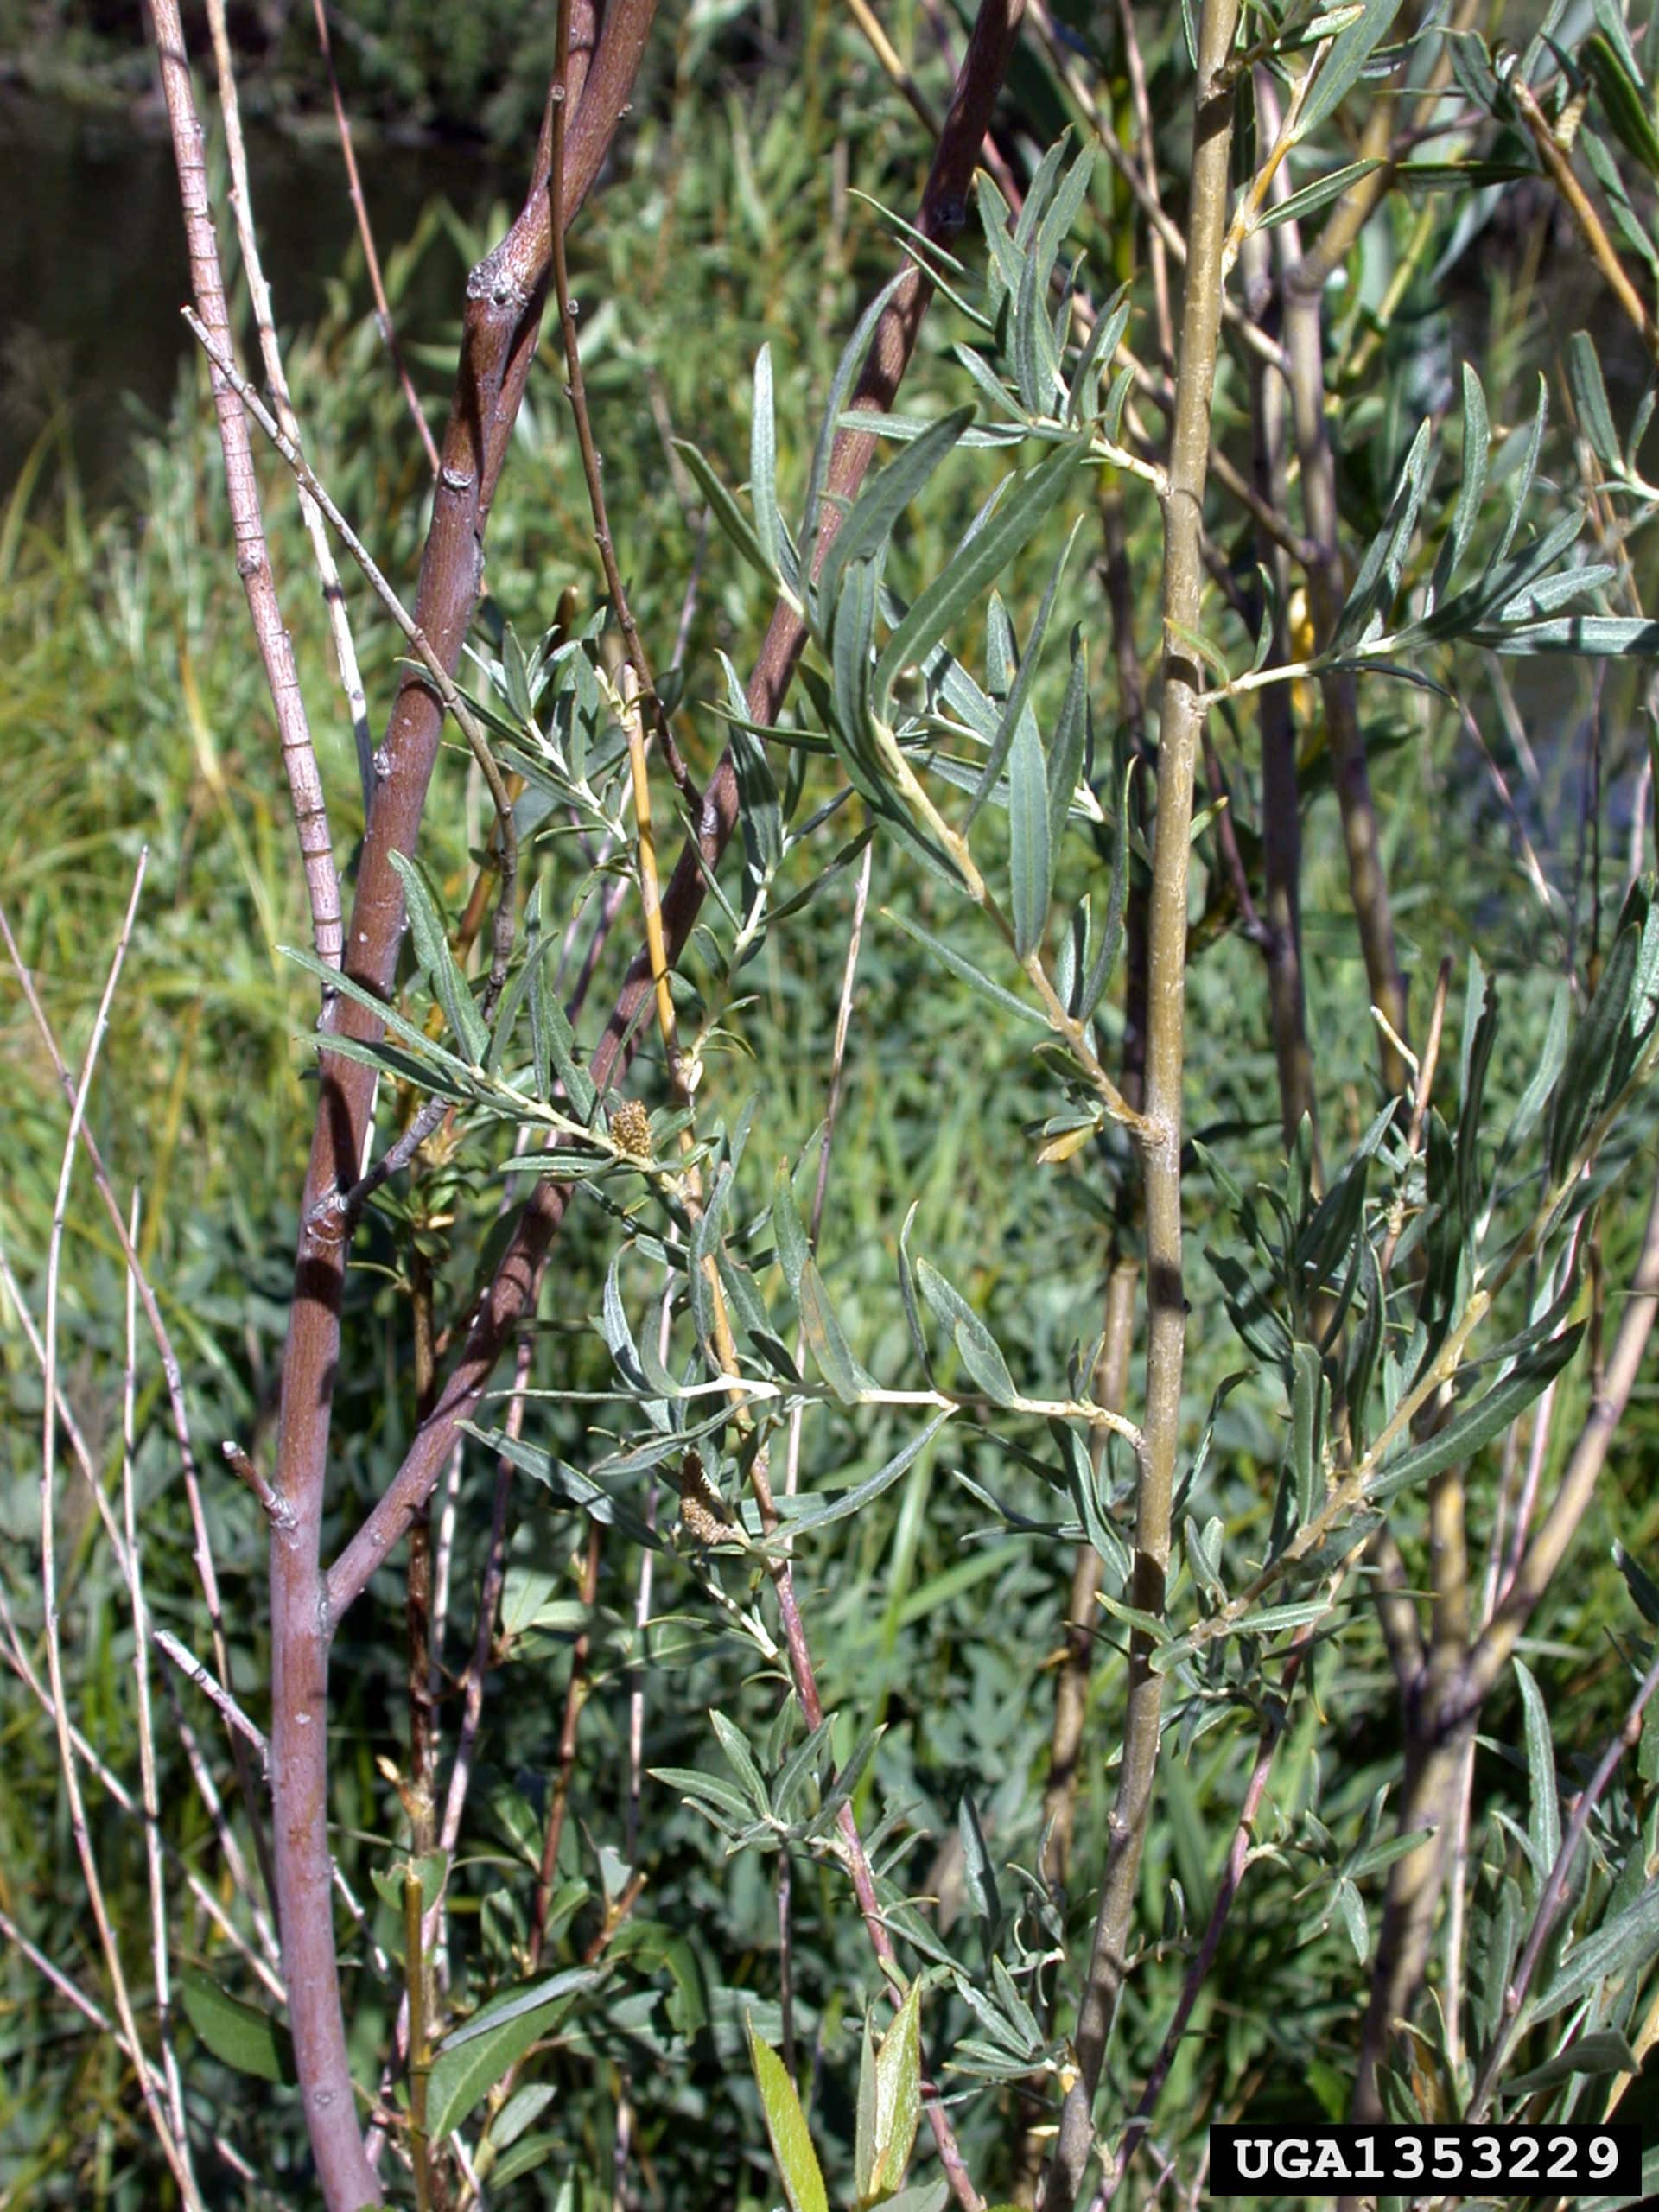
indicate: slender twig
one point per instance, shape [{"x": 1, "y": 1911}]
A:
[
  {"x": 252, "y": 554},
  {"x": 1157, "y": 250},
  {"x": 150, "y": 1794},
  {"x": 1558, "y": 167},
  {"x": 71, "y": 1427},
  {"x": 193, "y": 1670},
  {"x": 893, "y": 63},
  {"x": 173, "y": 2148},
  {"x": 273, "y": 1506},
  {"x": 578, "y": 395},
  {"x": 383, "y": 322},
  {"x": 351, "y": 680},
  {"x": 470, "y": 728},
  {"x": 415, "y": 1972},
  {"x": 1180, "y": 726},
  {"x": 1548, "y": 1548}
]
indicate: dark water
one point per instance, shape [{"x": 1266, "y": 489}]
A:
[{"x": 92, "y": 269}]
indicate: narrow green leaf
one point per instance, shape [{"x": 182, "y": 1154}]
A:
[
  {"x": 1589, "y": 398},
  {"x": 740, "y": 1760},
  {"x": 1016, "y": 712},
  {"x": 1065, "y": 753},
  {"x": 899, "y": 2092},
  {"x": 908, "y": 1292},
  {"x": 793, "y": 1250},
  {"x": 725, "y": 511},
  {"x": 791, "y": 2144},
  {"x": 1117, "y": 899},
  {"x": 477, "y": 2055},
  {"x": 980, "y": 1354},
  {"x": 959, "y": 965},
  {"x": 1640, "y": 1584},
  {"x": 864, "y": 2152},
  {"x": 432, "y": 950},
  {"x": 1474, "y": 1426},
  {"x": 1477, "y": 446},
  {"x": 1599, "y": 637},
  {"x": 1605, "y": 2051},
  {"x": 1342, "y": 66},
  {"x": 1307, "y": 1431},
  {"x": 1622, "y": 97},
  {"x": 1544, "y": 1820},
  {"x": 763, "y": 464},
  {"x": 978, "y": 1874},
  {"x": 804, "y": 1513},
  {"x": 1312, "y": 197},
  {"x": 825, "y": 1340},
  {"x": 975, "y": 565},
  {"x": 1031, "y": 858},
  {"x": 1623, "y": 1945}
]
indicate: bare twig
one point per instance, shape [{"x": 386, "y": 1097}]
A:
[
  {"x": 160, "y": 1966},
  {"x": 383, "y": 322},
  {"x": 351, "y": 680},
  {"x": 252, "y": 555},
  {"x": 193, "y": 1670},
  {"x": 118, "y": 1792}
]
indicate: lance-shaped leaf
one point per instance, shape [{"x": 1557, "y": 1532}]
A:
[
  {"x": 980, "y": 1354},
  {"x": 792, "y": 2144},
  {"x": 1466, "y": 513},
  {"x": 1031, "y": 855},
  {"x": 432, "y": 950},
  {"x": 475, "y": 2055},
  {"x": 804, "y": 1513},
  {"x": 1472, "y": 1425},
  {"x": 977, "y": 563},
  {"x": 875, "y": 516},
  {"x": 763, "y": 464},
  {"x": 1340, "y": 68}
]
